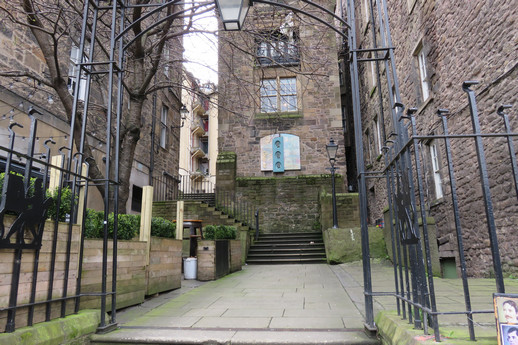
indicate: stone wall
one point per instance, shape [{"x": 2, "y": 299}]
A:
[
  {"x": 287, "y": 204},
  {"x": 347, "y": 209},
  {"x": 467, "y": 41},
  {"x": 460, "y": 42}
]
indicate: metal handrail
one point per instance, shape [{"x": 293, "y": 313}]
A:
[{"x": 238, "y": 208}]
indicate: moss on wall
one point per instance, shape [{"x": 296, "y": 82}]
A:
[{"x": 344, "y": 244}]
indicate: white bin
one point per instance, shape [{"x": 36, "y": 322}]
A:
[{"x": 190, "y": 266}]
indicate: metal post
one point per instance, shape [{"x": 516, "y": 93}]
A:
[
  {"x": 360, "y": 163},
  {"x": 454, "y": 200},
  {"x": 484, "y": 179},
  {"x": 510, "y": 144},
  {"x": 335, "y": 217}
]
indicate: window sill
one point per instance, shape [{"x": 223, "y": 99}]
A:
[
  {"x": 437, "y": 202},
  {"x": 423, "y": 105},
  {"x": 286, "y": 115}
]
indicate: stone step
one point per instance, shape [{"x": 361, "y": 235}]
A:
[
  {"x": 231, "y": 336},
  {"x": 280, "y": 261},
  {"x": 283, "y": 248},
  {"x": 259, "y": 251}
]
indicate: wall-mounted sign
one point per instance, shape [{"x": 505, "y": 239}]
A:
[{"x": 280, "y": 152}]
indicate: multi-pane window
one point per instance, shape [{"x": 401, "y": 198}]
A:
[
  {"x": 278, "y": 94},
  {"x": 435, "y": 170},
  {"x": 277, "y": 48},
  {"x": 73, "y": 69},
  {"x": 423, "y": 75},
  {"x": 163, "y": 127}
]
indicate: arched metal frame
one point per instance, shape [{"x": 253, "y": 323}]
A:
[
  {"x": 115, "y": 71},
  {"x": 415, "y": 291}
]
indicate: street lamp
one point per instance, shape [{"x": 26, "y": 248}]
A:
[
  {"x": 183, "y": 116},
  {"x": 233, "y": 13},
  {"x": 332, "y": 148}
]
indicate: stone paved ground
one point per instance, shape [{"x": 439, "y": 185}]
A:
[{"x": 296, "y": 304}]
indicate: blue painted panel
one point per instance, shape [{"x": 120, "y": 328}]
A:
[{"x": 278, "y": 154}]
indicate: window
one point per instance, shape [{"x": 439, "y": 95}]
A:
[
  {"x": 423, "y": 75},
  {"x": 163, "y": 127},
  {"x": 435, "y": 169},
  {"x": 378, "y": 134},
  {"x": 278, "y": 48},
  {"x": 204, "y": 145},
  {"x": 373, "y": 74},
  {"x": 366, "y": 7},
  {"x": 166, "y": 60},
  {"x": 73, "y": 68},
  {"x": 278, "y": 94},
  {"x": 136, "y": 199},
  {"x": 369, "y": 147}
]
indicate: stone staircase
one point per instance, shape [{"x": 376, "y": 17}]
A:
[{"x": 288, "y": 248}]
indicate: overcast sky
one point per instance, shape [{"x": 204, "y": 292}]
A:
[{"x": 201, "y": 50}]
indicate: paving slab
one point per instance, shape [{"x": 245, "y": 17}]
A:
[
  {"x": 299, "y": 305},
  {"x": 281, "y": 304}
]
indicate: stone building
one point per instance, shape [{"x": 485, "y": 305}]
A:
[
  {"x": 287, "y": 79},
  {"x": 279, "y": 105},
  {"x": 438, "y": 46}
]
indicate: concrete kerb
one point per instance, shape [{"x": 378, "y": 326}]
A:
[
  {"x": 392, "y": 329},
  {"x": 73, "y": 329}
]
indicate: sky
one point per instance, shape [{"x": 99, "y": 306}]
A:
[{"x": 202, "y": 51}]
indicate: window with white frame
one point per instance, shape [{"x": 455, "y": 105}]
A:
[
  {"x": 73, "y": 69},
  {"x": 435, "y": 170},
  {"x": 166, "y": 60},
  {"x": 369, "y": 146},
  {"x": 278, "y": 94},
  {"x": 423, "y": 74},
  {"x": 378, "y": 134},
  {"x": 373, "y": 73},
  {"x": 163, "y": 126},
  {"x": 366, "y": 9}
]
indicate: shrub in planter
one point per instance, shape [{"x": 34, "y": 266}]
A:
[
  {"x": 209, "y": 232},
  {"x": 93, "y": 223},
  {"x": 64, "y": 207},
  {"x": 128, "y": 226},
  {"x": 161, "y": 227},
  {"x": 219, "y": 232}
]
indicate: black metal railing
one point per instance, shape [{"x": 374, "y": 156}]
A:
[
  {"x": 185, "y": 187},
  {"x": 238, "y": 208},
  {"x": 411, "y": 201},
  {"x": 34, "y": 194}
]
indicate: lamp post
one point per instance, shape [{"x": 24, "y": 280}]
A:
[
  {"x": 332, "y": 148},
  {"x": 233, "y": 13}
]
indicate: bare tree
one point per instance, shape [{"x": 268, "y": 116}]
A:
[{"x": 55, "y": 26}]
